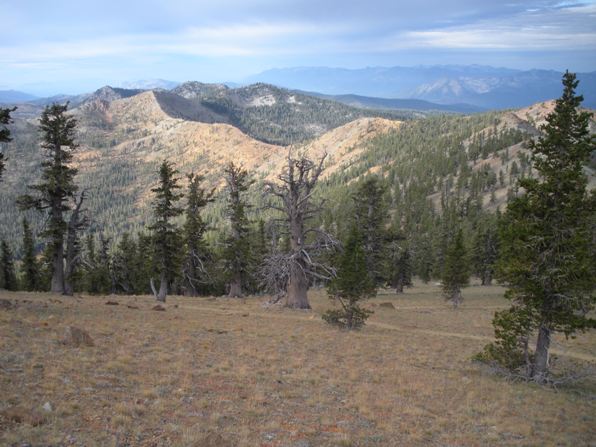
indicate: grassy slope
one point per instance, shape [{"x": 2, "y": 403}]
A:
[{"x": 261, "y": 377}]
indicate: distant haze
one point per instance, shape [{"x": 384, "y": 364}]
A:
[{"x": 74, "y": 47}]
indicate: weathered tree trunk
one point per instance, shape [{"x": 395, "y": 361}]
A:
[
  {"x": 456, "y": 298},
  {"x": 235, "y": 287},
  {"x": 297, "y": 297},
  {"x": 540, "y": 370},
  {"x": 163, "y": 288},
  {"x": 399, "y": 286},
  {"x": 487, "y": 278},
  {"x": 58, "y": 269}
]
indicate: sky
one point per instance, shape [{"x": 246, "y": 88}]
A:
[{"x": 73, "y": 46}]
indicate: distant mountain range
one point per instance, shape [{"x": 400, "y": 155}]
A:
[
  {"x": 479, "y": 86},
  {"x": 13, "y": 96},
  {"x": 369, "y": 102}
]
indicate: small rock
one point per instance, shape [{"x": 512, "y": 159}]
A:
[
  {"x": 131, "y": 306},
  {"x": 77, "y": 337},
  {"x": 47, "y": 407},
  {"x": 5, "y": 304},
  {"x": 112, "y": 303},
  {"x": 387, "y": 305},
  {"x": 158, "y": 307}
]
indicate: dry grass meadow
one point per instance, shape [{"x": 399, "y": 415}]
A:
[{"x": 224, "y": 372}]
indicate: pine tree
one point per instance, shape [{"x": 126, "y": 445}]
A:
[
  {"x": 370, "y": 214},
  {"x": 197, "y": 256},
  {"x": 456, "y": 270},
  {"x": 30, "y": 266},
  {"x": 548, "y": 248},
  {"x": 485, "y": 250},
  {"x": 4, "y": 134},
  {"x": 165, "y": 233},
  {"x": 351, "y": 285},
  {"x": 123, "y": 262},
  {"x": 402, "y": 270},
  {"x": 8, "y": 277},
  {"x": 237, "y": 253},
  {"x": 57, "y": 186}
]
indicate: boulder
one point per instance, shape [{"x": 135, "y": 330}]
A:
[
  {"x": 387, "y": 305},
  {"x": 158, "y": 307}
]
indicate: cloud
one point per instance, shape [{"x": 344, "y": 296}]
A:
[{"x": 572, "y": 27}]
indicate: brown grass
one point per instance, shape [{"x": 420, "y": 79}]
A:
[{"x": 228, "y": 372}]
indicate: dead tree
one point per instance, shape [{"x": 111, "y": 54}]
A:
[
  {"x": 78, "y": 221},
  {"x": 289, "y": 273}
]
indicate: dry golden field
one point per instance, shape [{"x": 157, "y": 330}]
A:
[{"x": 224, "y": 372}]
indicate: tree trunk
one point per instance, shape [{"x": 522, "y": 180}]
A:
[
  {"x": 399, "y": 286},
  {"x": 163, "y": 289},
  {"x": 487, "y": 279},
  {"x": 297, "y": 297},
  {"x": 540, "y": 369},
  {"x": 456, "y": 298},
  {"x": 235, "y": 287},
  {"x": 58, "y": 269}
]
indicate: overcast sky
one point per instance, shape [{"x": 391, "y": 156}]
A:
[{"x": 71, "y": 46}]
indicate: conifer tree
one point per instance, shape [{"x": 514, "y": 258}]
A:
[
  {"x": 237, "y": 255},
  {"x": 57, "y": 187},
  {"x": 456, "y": 270},
  {"x": 402, "y": 270},
  {"x": 351, "y": 285},
  {"x": 195, "y": 273},
  {"x": 165, "y": 232},
  {"x": 4, "y": 134},
  {"x": 370, "y": 214},
  {"x": 8, "y": 277},
  {"x": 485, "y": 250},
  {"x": 548, "y": 249},
  {"x": 30, "y": 267},
  {"x": 123, "y": 263}
]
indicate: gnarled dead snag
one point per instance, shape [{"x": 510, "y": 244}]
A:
[{"x": 290, "y": 273}]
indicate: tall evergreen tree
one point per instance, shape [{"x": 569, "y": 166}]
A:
[
  {"x": 195, "y": 273},
  {"x": 165, "y": 232},
  {"x": 57, "y": 186},
  {"x": 237, "y": 253},
  {"x": 485, "y": 250},
  {"x": 371, "y": 214},
  {"x": 4, "y": 134},
  {"x": 30, "y": 266},
  {"x": 456, "y": 273},
  {"x": 8, "y": 277},
  {"x": 351, "y": 285},
  {"x": 548, "y": 247},
  {"x": 123, "y": 263}
]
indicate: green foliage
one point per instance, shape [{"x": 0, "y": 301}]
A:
[
  {"x": 57, "y": 186},
  {"x": 165, "y": 232},
  {"x": 510, "y": 351},
  {"x": 456, "y": 273},
  {"x": 30, "y": 266},
  {"x": 237, "y": 254},
  {"x": 8, "y": 277},
  {"x": 548, "y": 255},
  {"x": 197, "y": 253},
  {"x": 485, "y": 250},
  {"x": 351, "y": 285},
  {"x": 370, "y": 215},
  {"x": 4, "y": 133}
]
